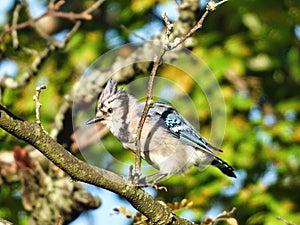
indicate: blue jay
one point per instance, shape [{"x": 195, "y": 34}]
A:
[{"x": 168, "y": 141}]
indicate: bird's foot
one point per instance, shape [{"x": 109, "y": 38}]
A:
[
  {"x": 142, "y": 183},
  {"x": 149, "y": 181}
]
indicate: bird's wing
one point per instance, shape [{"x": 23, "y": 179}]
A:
[{"x": 183, "y": 130}]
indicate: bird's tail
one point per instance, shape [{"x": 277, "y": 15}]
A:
[{"x": 223, "y": 166}]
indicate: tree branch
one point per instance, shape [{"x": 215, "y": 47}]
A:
[
  {"x": 52, "y": 11},
  {"x": 78, "y": 170}
]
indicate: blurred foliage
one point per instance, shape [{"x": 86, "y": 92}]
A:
[{"x": 251, "y": 46}]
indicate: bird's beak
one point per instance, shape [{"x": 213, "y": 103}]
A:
[{"x": 93, "y": 120}]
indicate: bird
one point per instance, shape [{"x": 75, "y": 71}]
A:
[{"x": 168, "y": 141}]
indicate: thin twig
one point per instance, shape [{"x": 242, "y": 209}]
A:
[
  {"x": 169, "y": 25},
  {"x": 211, "y": 6},
  {"x": 38, "y": 105},
  {"x": 30, "y": 51},
  {"x": 57, "y": 5},
  {"x": 72, "y": 31},
  {"x": 223, "y": 216},
  {"x": 198, "y": 25},
  {"x": 38, "y": 29},
  {"x": 9, "y": 82},
  {"x": 93, "y": 7},
  {"x": 78, "y": 22},
  {"x": 70, "y": 15},
  {"x": 52, "y": 11},
  {"x": 170, "y": 46},
  {"x": 48, "y": 37},
  {"x": 284, "y": 220},
  {"x": 148, "y": 104},
  {"x": 225, "y": 213},
  {"x": 15, "y": 19}
]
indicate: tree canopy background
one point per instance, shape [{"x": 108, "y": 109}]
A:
[{"x": 251, "y": 46}]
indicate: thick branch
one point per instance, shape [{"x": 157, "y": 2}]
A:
[{"x": 33, "y": 134}]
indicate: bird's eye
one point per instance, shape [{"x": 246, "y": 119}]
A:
[{"x": 109, "y": 110}]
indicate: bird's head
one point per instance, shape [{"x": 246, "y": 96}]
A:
[{"x": 110, "y": 101}]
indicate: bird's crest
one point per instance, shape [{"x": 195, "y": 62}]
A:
[{"x": 109, "y": 90}]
